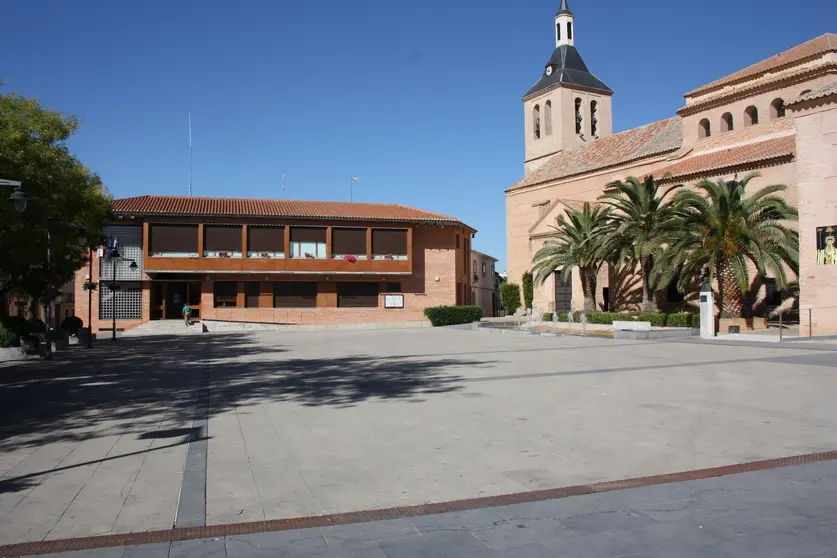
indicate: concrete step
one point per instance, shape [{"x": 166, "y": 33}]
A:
[{"x": 165, "y": 327}]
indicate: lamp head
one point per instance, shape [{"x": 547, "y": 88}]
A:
[{"x": 19, "y": 198}]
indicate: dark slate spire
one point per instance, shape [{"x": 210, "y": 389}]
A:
[
  {"x": 568, "y": 68},
  {"x": 564, "y": 9}
]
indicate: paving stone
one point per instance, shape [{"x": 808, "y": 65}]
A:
[
  {"x": 598, "y": 522},
  {"x": 774, "y": 544},
  {"x": 201, "y": 548},
  {"x": 456, "y": 521},
  {"x": 299, "y": 538},
  {"x": 114, "y": 552},
  {"x": 521, "y": 532},
  {"x": 365, "y": 533},
  {"x": 368, "y": 551},
  {"x": 434, "y": 545},
  {"x": 154, "y": 550}
]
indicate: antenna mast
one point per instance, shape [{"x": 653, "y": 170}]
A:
[{"x": 190, "y": 153}]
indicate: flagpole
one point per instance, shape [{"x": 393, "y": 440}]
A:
[{"x": 190, "y": 153}]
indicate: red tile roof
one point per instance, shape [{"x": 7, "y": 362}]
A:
[
  {"x": 294, "y": 209},
  {"x": 814, "y": 47},
  {"x": 727, "y": 158},
  {"x": 652, "y": 139}
]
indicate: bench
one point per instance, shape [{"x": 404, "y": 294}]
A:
[{"x": 631, "y": 330}]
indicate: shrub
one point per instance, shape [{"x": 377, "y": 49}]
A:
[
  {"x": 562, "y": 317},
  {"x": 8, "y": 338},
  {"x": 528, "y": 289},
  {"x": 72, "y": 324},
  {"x": 547, "y": 317},
  {"x": 37, "y": 326},
  {"x": 510, "y": 297},
  {"x": 657, "y": 319},
  {"x": 17, "y": 325},
  {"x": 453, "y": 315},
  {"x": 683, "y": 320}
]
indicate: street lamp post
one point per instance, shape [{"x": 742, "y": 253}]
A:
[
  {"x": 114, "y": 256},
  {"x": 90, "y": 286},
  {"x": 18, "y": 197}
]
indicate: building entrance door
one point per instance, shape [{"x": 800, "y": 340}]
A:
[
  {"x": 175, "y": 300},
  {"x": 563, "y": 293}
]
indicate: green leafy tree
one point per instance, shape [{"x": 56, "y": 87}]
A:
[
  {"x": 722, "y": 230},
  {"x": 510, "y": 297},
  {"x": 33, "y": 150},
  {"x": 576, "y": 242},
  {"x": 528, "y": 289},
  {"x": 642, "y": 216}
]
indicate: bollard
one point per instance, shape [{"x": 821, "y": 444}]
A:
[
  {"x": 810, "y": 325},
  {"x": 780, "y": 327}
]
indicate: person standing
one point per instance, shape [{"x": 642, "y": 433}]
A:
[{"x": 187, "y": 312}]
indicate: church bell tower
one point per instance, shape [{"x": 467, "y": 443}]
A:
[{"x": 568, "y": 106}]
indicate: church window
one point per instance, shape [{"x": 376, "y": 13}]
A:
[
  {"x": 570, "y": 30},
  {"x": 594, "y": 120},
  {"x": 558, "y": 31},
  {"x": 578, "y": 127},
  {"x": 536, "y": 121},
  {"x": 805, "y": 92},
  {"x": 726, "y": 122},
  {"x": 777, "y": 109},
  {"x": 547, "y": 118},
  {"x": 751, "y": 116},
  {"x": 704, "y": 131}
]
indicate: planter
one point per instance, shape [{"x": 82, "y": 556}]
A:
[{"x": 743, "y": 324}]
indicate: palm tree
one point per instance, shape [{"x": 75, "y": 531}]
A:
[
  {"x": 721, "y": 230},
  {"x": 575, "y": 243},
  {"x": 641, "y": 219}
]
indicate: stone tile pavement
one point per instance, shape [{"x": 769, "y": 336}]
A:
[
  {"x": 117, "y": 440},
  {"x": 778, "y": 513}
]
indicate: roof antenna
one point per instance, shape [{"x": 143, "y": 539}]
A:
[{"x": 190, "y": 153}]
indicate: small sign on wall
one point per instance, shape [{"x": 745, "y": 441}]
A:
[
  {"x": 394, "y": 301},
  {"x": 826, "y": 245}
]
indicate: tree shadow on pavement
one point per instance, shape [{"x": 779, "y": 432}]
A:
[{"x": 148, "y": 387}]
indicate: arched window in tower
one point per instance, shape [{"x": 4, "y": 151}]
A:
[
  {"x": 777, "y": 109},
  {"x": 726, "y": 122},
  {"x": 547, "y": 118},
  {"x": 751, "y": 116},
  {"x": 536, "y": 121},
  {"x": 805, "y": 92},
  {"x": 578, "y": 127},
  {"x": 558, "y": 31},
  {"x": 704, "y": 131},
  {"x": 594, "y": 119},
  {"x": 570, "y": 30}
]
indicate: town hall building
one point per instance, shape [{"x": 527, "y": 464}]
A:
[{"x": 777, "y": 117}]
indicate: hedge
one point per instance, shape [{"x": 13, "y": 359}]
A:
[
  {"x": 528, "y": 289},
  {"x": 8, "y": 338},
  {"x": 510, "y": 297},
  {"x": 16, "y": 324},
  {"x": 453, "y": 315},
  {"x": 37, "y": 326},
  {"x": 657, "y": 319},
  {"x": 547, "y": 317},
  {"x": 72, "y": 324}
]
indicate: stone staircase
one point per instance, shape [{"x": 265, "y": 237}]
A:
[{"x": 164, "y": 327}]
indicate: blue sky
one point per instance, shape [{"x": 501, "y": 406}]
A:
[{"x": 421, "y": 100}]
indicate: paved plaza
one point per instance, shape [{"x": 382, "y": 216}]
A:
[{"x": 152, "y": 433}]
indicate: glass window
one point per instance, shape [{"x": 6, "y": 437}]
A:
[
  {"x": 393, "y": 287},
  {"x": 295, "y": 294},
  {"x": 173, "y": 241},
  {"x": 128, "y": 301},
  {"x": 773, "y": 296},
  {"x": 225, "y": 294},
  {"x": 251, "y": 294},
  {"x": 389, "y": 244},
  {"x": 484, "y": 269},
  {"x": 265, "y": 242},
  {"x": 348, "y": 243},
  {"x": 222, "y": 241},
  {"x": 357, "y": 295},
  {"x": 308, "y": 242}
]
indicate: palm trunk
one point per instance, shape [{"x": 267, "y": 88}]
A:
[
  {"x": 649, "y": 304},
  {"x": 730, "y": 297},
  {"x": 589, "y": 276}
]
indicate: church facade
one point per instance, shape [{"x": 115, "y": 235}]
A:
[{"x": 777, "y": 117}]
